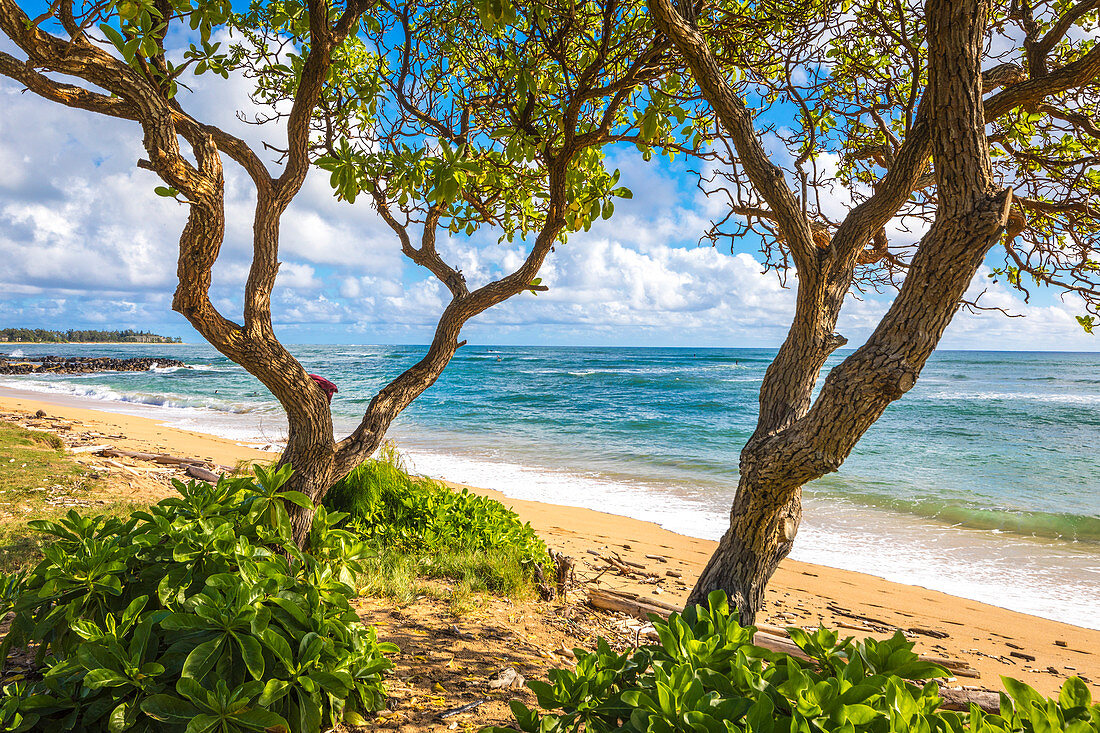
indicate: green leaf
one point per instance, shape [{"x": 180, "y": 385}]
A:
[
  {"x": 252, "y": 654},
  {"x": 98, "y": 678},
  {"x": 201, "y": 659},
  {"x": 1075, "y": 693},
  {"x": 168, "y": 708},
  {"x": 298, "y": 498}
]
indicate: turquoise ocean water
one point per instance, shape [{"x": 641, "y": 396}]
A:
[{"x": 982, "y": 481}]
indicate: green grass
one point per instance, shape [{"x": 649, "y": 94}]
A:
[
  {"x": 35, "y": 478},
  {"x": 434, "y": 541}
]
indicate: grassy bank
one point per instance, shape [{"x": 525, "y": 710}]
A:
[
  {"x": 432, "y": 540},
  {"x": 39, "y": 481}
]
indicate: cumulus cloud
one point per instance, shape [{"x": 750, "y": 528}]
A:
[{"x": 84, "y": 240}]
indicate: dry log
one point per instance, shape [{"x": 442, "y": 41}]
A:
[
  {"x": 781, "y": 644},
  {"x": 772, "y": 629},
  {"x": 120, "y": 453},
  {"x": 89, "y": 448},
  {"x": 958, "y": 667},
  {"x": 658, "y": 558},
  {"x": 177, "y": 461},
  {"x": 953, "y": 699},
  {"x": 121, "y": 467},
  {"x": 202, "y": 474},
  {"x": 634, "y": 606}
]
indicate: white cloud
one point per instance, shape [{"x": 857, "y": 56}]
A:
[{"x": 84, "y": 239}]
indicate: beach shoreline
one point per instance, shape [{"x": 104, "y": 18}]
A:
[{"x": 993, "y": 640}]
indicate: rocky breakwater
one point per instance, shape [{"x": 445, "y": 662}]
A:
[{"x": 81, "y": 364}]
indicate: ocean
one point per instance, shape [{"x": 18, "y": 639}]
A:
[{"x": 981, "y": 482}]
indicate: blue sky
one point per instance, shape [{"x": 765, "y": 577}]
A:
[{"x": 87, "y": 244}]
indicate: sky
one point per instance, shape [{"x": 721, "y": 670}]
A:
[{"x": 85, "y": 243}]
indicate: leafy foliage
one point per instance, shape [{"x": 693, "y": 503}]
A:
[
  {"x": 706, "y": 676},
  {"x": 199, "y": 614},
  {"x": 393, "y": 510},
  {"x": 496, "y": 114}
]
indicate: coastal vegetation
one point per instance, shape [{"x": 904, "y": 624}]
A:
[
  {"x": 76, "y": 336},
  {"x": 422, "y": 530},
  {"x": 199, "y": 614},
  {"x": 706, "y": 675},
  {"x": 38, "y": 481},
  {"x": 202, "y": 607}
]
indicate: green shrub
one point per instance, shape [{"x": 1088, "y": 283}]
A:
[
  {"x": 452, "y": 531},
  {"x": 705, "y": 676},
  {"x": 200, "y": 614}
]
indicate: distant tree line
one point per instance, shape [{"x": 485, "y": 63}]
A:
[{"x": 41, "y": 336}]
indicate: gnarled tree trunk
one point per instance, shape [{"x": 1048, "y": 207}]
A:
[{"x": 796, "y": 441}]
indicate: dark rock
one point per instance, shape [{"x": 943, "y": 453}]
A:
[
  {"x": 40, "y": 413},
  {"x": 82, "y": 364}
]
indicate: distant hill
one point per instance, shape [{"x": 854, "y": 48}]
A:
[{"x": 74, "y": 336}]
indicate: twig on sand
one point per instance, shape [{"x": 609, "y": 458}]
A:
[{"x": 469, "y": 707}]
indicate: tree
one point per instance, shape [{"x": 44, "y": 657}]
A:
[
  {"x": 883, "y": 87},
  {"x": 451, "y": 116}
]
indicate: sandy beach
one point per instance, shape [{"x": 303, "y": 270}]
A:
[{"x": 992, "y": 640}]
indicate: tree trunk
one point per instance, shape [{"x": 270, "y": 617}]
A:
[
  {"x": 763, "y": 524},
  {"x": 970, "y": 218},
  {"x": 311, "y": 452}
]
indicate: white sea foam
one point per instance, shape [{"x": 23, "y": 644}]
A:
[
  {"x": 18, "y": 353},
  {"x": 1059, "y": 398},
  {"x": 102, "y": 393},
  {"x": 970, "y": 564}
]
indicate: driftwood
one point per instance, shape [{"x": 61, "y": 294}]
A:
[
  {"x": 120, "y": 453},
  {"x": 119, "y": 466},
  {"x": 935, "y": 634},
  {"x": 768, "y": 636},
  {"x": 195, "y": 467},
  {"x": 88, "y": 448},
  {"x": 625, "y": 567},
  {"x": 563, "y": 576},
  {"x": 177, "y": 461},
  {"x": 202, "y": 474},
  {"x": 961, "y": 699}
]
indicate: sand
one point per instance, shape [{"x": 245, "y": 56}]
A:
[{"x": 800, "y": 594}]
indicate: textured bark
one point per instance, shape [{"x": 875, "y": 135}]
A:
[{"x": 796, "y": 441}]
